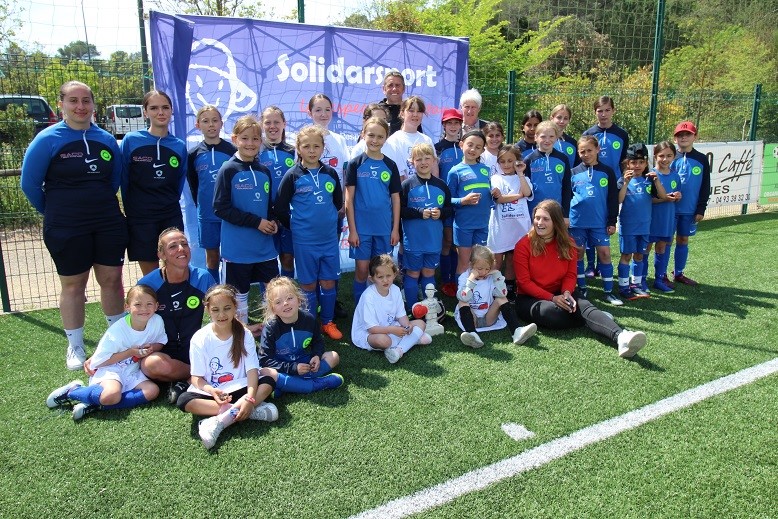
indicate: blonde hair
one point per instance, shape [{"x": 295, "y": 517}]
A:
[
  {"x": 482, "y": 253},
  {"x": 238, "y": 346},
  {"x": 139, "y": 290},
  {"x": 207, "y": 108},
  {"x": 562, "y": 108},
  {"x": 548, "y": 126},
  {"x": 376, "y": 120},
  {"x": 247, "y": 122},
  {"x": 384, "y": 260},
  {"x": 309, "y": 131},
  {"x": 591, "y": 139},
  {"x": 420, "y": 149},
  {"x": 274, "y": 286}
]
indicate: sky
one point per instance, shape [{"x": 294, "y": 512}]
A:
[{"x": 48, "y": 25}]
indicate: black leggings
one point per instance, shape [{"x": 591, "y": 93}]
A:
[{"x": 549, "y": 315}]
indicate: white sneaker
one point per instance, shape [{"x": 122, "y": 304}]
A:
[
  {"x": 81, "y": 409},
  {"x": 393, "y": 354},
  {"x": 471, "y": 339},
  {"x": 265, "y": 412},
  {"x": 209, "y": 430},
  {"x": 75, "y": 357},
  {"x": 630, "y": 343},
  {"x": 521, "y": 334},
  {"x": 59, "y": 396},
  {"x": 615, "y": 301}
]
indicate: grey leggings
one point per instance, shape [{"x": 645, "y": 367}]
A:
[{"x": 548, "y": 315}]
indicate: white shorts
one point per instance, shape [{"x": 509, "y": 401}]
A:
[
  {"x": 129, "y": 379},
  {"x": 480, "y": 322},
  {"x": 366, "y": 346}
]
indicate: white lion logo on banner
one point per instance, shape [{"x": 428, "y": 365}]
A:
[{"x": 211, "y": 83}]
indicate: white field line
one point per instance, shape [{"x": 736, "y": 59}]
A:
[{"x": 555, "y": 449}]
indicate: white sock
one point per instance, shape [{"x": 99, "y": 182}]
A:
[
  {"x": 113, "y": 318},
  {"x": 228, "y": 416},
  {"x": 75, "y": 337},
  {"x": 243, "y": 307},
  {"x": 410, "y": 340}
]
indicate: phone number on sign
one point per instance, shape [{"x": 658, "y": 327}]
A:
[{"x": 726, "y": 199}]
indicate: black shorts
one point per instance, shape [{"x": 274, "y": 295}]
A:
[
  {"x": 242, "y": 275},
  {"x": 176, "y": 352},
  {"x": 144, "y": 237},
  {"x": 188, "y": 396},
  {"x": 74, "y": 251}
]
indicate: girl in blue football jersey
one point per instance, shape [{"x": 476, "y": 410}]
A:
[
  {"x": 372, "y": 200},
  {"x": 529, "y": 123},
  {"x": 663, "y": 216},
  {"x": 154, "y": 180},
  {"x": 308, "y": 202},
  {"x": 278, "y": 156}
]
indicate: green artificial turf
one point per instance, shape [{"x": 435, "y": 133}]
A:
[{"x": 396, "y": 429}]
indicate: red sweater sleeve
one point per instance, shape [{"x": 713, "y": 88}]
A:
[{"x": 543, "y": 276}]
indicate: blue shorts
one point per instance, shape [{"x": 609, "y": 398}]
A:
[
  {"x": 144, "y": 237},
  {"x": 242, "y": 275},
  {"x": 283, "y": 241},
  {"x": 75, "y": 251},
  {"x": 470, "y": 237},
  {"x": 210, "y": 234},
  {"x": 685, "y": 225},
  {"x": 415, "y": 261},
  {"x": 315, "y": 262},
  {"x": 633, "y": 244},
  {"x": 654, "y": 239},
  {"x": 586, "y": 238},
  {"x": 369, "y": 247}
]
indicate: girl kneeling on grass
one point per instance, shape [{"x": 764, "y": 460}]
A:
[
  {"x": 483, "y": 302},
  {"x": 292, "y": 343},
  {"x": 545, "y": 261},
  {"x": 118, "y": 382},
  {"x": 380, "y": 322},
  {"x": 227, "y": 384}
]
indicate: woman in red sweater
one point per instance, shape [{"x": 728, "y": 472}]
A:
[{"x": 545, "y": 264}]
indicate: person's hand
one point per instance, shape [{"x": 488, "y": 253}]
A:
[
  {"x": 245, "y": 408},
  {"x": 560, "y": 301},
  {"x": 471, "y": 199},
  {"x": 698, "y": 218},
  {"x": 220, "y": 396},
  {"x": 435, "y": 213},
  {"x": 571, "y": 302},
  {"x": 520, "y": 166},
  {"x": 651, "y": 176},
  {"x": 496, "y": 193},
  {"x": 610, "y": 230},
  {"x": 142, "y": 351},
  {"x": 400, "y": 331},
  {"x": 303, "y": 368},
  {"x": 394, "y": 239},
  {"x": 88, "y": 367},
  {"x": 353, "y": 238},
  {"x": 267, "y": 227},
  {"x": 629, "y": 174},
  {"x": 314, "y": 364},
  {"x": 472, "y": 276}
]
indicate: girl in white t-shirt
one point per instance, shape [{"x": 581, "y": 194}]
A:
[
  {"x": 483, "y": 303},
  {"x": 510, "y": 218},
  {"x": 336, "y": 151},
  {"x": 398, "y": 146},
  {"x": 118, "y": 382},
  {"x": 495, "y": 137},
  {"x": 227, "y": 384},
  {"x": 380, "y": 322}
]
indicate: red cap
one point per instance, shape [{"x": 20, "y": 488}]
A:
[
  {"x": 685, "y": 126},
  {"x": 451, "y": 113}
]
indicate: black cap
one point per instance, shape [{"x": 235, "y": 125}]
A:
[{"x": 637, "y": 151}]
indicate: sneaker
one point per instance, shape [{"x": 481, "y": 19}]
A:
[
  {"x": 521, "y": 334},
  {"x": 596, "y": 272},
  {"x": 639, "y": 293},
  {"x": 175, "y": 391},
  {"x": 449, "y": 289},
  {"x": 59, "y": 397},
  {"x": 393, "y": 354},
  {"x": 589, "y": 272},
  {"x": 630, "y": 343},
  {"x": 626, "y": 293},
  {"x": 340, "y": 310},
  {"x": 81, "y": 409},
  {"x": 331, "y": 330},
  {"x": 209, "y": 430},
  {"x": 680, "y": 278},
  {"x": 644, "y": 285},
  {"x": 330, "y": 381},
  {"x": 75, "y": 357},
  {"x": 264, "y": 412},
  {"x": 471, "y": 339},
  {"x": 615, "y": 301},
  {"x": 663, "y": 287},
  {"x": 583, "y": 293},
  {"x": 666, "y": 280}
]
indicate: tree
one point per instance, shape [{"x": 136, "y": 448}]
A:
[
  {"x": 9, "y": 17},
  {"x": 78, "y": 50},
  {"x": 238, "y": 8}
]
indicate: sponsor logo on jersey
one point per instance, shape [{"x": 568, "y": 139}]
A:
[
  {"x": 441, "y": 199},
  {"x": 696, "y": 170},
  {"x": 560, "y": 168},
  {"x": 307, "y": 342},
  {"x": 173, "y": 162},
  {"x": 192, "y": 301},
  {"x": 289, "y": 162},
  {"x": 267, "y": 187},
  {"x": 603, "y": 182},
  {"x": 329, "y": 187},
  {"x": 106, "y": 155},
  {"x": 385, "y": 176}
]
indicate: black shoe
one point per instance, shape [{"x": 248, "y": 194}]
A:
[
  {"x": 340, "y": 310},
  {"x": 175, "y": 391}
]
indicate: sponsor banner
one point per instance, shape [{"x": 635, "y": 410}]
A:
[
  {"x": 736, "y": 171},
  {"x": 769, "y": 193}
]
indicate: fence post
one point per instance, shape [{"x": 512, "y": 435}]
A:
[
  {"x": 144, "y": 54},
  {"x": 754, "y": 122},
  {"x": 4, "y": 282},
  {"x": 658, "y": 37},
  {"x": 301, "y": 11},
  {"x": 509, "y": 122}
]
